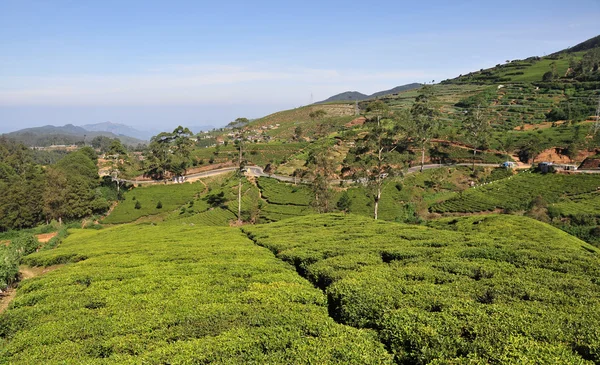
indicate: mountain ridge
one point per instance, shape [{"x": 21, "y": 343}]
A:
[{"x": 358, "y": 96}]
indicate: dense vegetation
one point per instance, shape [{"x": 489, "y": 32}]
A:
[
  {"x": 31, "y": 193},
  {"x": 156, "y": 295},
  {"x": 482, "y": 289}
]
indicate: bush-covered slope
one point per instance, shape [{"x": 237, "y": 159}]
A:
[
  {"x": 494, "y": 289},
  {"x": 158, "y": 295}
]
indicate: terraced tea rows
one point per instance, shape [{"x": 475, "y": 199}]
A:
[{"x": 517, "y": 192}]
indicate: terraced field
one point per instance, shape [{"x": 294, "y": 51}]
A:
[{"x": 517, "y": 192}]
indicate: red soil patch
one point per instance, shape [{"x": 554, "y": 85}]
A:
[
  {"x": 357, "y": 121},
  {"x": 543, "y": 125},
  {"x": 44, "y": 238},
  {"x": 558, "y": 155}
]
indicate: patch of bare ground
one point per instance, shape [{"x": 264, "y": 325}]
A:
[
  {"x": 45, "y": 237},
  {"x": 25, "y": 272}
]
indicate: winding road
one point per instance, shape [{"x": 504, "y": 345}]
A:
[{"x": 258, "y": 171}]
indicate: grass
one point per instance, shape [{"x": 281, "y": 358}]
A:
[
  {"x": 493, "y": 289},
  {"x": 146, "y": 294}
]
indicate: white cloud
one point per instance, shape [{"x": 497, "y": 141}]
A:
[{"x": 200, "y": 84}]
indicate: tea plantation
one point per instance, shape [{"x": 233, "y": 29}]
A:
[
  {"x": 174, "y": 295},
  {"x": 493, "y": 289},
  {"x": 517, "y": 192}
]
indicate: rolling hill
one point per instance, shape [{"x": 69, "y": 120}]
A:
[
  {"x": 357, "y": 96},
  {"x": 67, "y": 134}
]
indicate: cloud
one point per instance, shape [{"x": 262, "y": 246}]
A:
[{"x": 203, "y": 84}]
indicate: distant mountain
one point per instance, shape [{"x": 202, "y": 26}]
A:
[
  {"x": 356, "y": 96},
  {"x": 396, "y": 90},
  {"x": 345, "y": 96},
  {"x": 68, "y": 134},
  {"x": 119, "y": 129}
]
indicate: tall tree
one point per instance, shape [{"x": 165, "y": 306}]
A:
[
  {"x": 371, "y": 156},
  {"x": 423, "y": 122},
  {"x": 320, "y": 167},
  {"x": 477, "y": 129}
]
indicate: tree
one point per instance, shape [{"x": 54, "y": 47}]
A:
[
  {"x": 297, "y": 133},
  {"x": 216, "y": 200},
  {"x": 477, "y": 129},
  {"x": 423, "y": 122},
  {"x": 372, "y": 158},
  {"x": 320, "y": 167},
  {"x": 317, "y": 114},
  {"x": 548, "y": 76},
  {"x": 344, "y": 203},
  {"x": 118, "y": 158},
  {"x": 169, "y": 153},
  {"x": 102, "y": 143}
]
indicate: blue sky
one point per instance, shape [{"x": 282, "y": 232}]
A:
[{"x": 158, "y": 64}]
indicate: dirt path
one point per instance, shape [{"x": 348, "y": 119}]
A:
[{"x": 25, "y": 272}]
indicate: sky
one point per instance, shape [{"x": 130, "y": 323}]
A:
[{"x": 159, "y": 64}]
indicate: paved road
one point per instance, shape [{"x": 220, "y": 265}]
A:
[{"x": 258, "y": 171}]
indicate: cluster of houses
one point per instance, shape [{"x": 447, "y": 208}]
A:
[{"x": 56, "y": 147}]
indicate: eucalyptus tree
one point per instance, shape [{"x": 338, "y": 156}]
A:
[
  {"x": 423, "y": 122},
  {"x": 477, "y": 129},
  {"x": 371, "y": 158}
]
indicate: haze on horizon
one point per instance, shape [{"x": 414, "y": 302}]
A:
[{"x": 156, "y": 65}]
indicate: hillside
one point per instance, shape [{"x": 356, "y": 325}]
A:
[
  {"x": 65, "y": 135},
  {"x": 357, "y": 96},
  {"x": 578, "y": 63}
]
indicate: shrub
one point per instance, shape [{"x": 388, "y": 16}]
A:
[
  {"x": 159, "y": 205},
  {"x": 138, "y": 205}
]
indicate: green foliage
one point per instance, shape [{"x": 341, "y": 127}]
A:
[
  {"x": 484, "y": 289},
  {"x": 159, "y": 205},
  {"x": 169, "y": 153},
  {"x": 174, "y": 295},
  {"x": 344, "y": 203},
  {"x": 138, "y": 205}
]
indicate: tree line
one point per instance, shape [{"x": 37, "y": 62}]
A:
[{"x": 32, "y": 193}]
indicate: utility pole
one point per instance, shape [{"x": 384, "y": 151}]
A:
[
  {"x": 356, "y": 108},
  {"x": 240, "y": 172}
]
